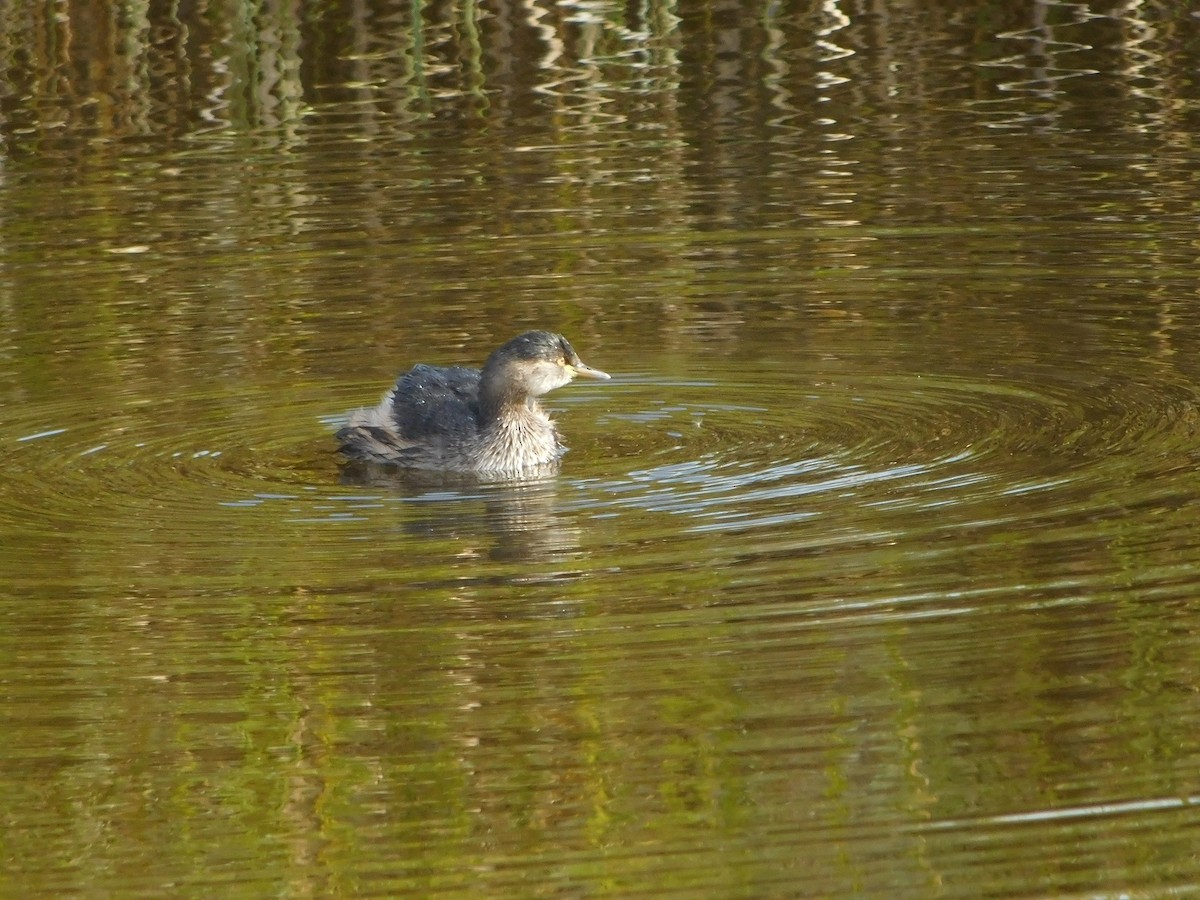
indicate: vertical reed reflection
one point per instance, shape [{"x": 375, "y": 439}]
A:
[{"x": 138, "y": 68}]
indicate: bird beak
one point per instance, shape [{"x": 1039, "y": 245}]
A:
[{"x": 587, "y": 371}]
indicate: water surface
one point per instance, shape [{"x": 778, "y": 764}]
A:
[{"x": 872, "y": 571}]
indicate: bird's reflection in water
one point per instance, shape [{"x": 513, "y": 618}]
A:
[{"x": 515, "y": 520}]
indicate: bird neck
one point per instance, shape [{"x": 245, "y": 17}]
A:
[
  {"x": 500, "y": 399},
  {"x": 515, "y": 436}
]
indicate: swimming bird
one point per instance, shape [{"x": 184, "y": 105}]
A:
[{"x": 457, "y": 419}]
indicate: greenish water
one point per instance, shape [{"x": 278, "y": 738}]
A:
[{"x": 873, "y": 571}]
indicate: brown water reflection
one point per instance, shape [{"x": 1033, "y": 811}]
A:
[{"x": 872, "y": 572}]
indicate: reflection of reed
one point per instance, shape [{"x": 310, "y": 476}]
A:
[
  {"x": 117, "y": 70},
  {"x": 120, "y": 70},
  {"x": 541, "y": 141}
]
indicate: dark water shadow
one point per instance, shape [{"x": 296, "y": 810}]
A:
[{"x": 522, "y": 518}]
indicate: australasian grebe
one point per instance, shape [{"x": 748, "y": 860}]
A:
[{"x": 466, "y": 420}]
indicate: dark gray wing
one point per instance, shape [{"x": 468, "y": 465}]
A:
[{"x": 436, "y": 403}]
